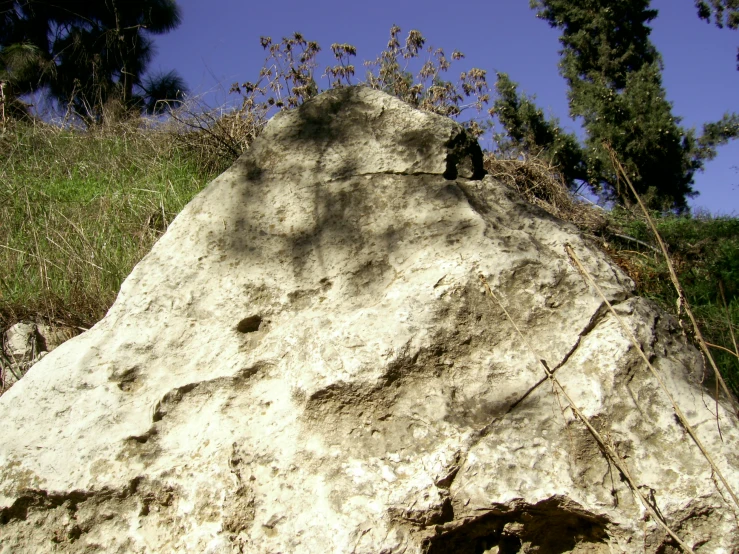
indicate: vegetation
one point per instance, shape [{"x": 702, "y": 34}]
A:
[
  {"x": 705, "y": 252},
  {"x": 287, "y": 78},
  {"x": 79, "y": 209},
  {"x": 87, "y": 55},
  {"x": 725, "y": 13},
  {"x": 614, "y": 76},
  {"x": 527, "y": 131}
]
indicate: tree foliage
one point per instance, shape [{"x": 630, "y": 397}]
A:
[
  {"x": 16, "y": 63},
  {"x": 615, "y": 88},
  {"x": 89, "y": 53},
  {"x": 725, "y": 13},
  {"x": 529, "y": 131}
]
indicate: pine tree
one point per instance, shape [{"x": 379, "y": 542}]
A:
[
  {"x": 91, "y": 53},
  {"x": 614, "y": 75},
  {"x": 528, "y": 131}
]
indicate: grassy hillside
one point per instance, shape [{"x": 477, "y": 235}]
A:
[{"x": 79, "y": 209}]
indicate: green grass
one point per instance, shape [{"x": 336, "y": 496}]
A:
[
  {"x": 705, "y": 253},
  {"x": 78, "y": 209}
]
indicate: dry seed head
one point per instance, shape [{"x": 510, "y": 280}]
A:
[
  {"x": 427, "y": 69},
  {"x": 413, "y": 43},
  {"x": 341, "y": 50},
  {"x": 393, "y": 43},
  {"x": 477, "y": 73}
]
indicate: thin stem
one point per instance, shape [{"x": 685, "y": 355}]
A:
[
  {"x": 581, "y": 269},
  {"x": 605, "y": 446}
]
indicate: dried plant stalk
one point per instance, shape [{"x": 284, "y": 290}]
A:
[
  {"x": 605, "y": 446},
  {"x": 584, "y": 272},
  {"x": 682, "y": 300}
]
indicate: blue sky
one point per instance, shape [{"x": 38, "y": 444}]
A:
[{"x": 218, "y": 44}]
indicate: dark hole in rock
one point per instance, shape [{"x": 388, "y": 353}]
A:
[
  {"x": 553, "y": 526},
  {"x": 249, "y": 324},
  {"x": 74, "y": 533},
  {"x": 464, "y": 153},
  {"x": 129, "y": 380},
  {"x": 509, "y": 545}
]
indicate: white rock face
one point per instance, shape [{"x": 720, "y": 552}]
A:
[{"x": 306, "y": 362}]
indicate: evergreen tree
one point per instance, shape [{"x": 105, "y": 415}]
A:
[
  {"x": 614, "y": 75},
  {"x": 528, "y": 131},
  {"x": 92, "y": 52},
  {"x": 18, "y": 65},
  {"x": 724, "y": 12}
]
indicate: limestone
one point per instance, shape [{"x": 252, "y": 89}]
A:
[
  {"x": 25, "y": 343},
  {"x": 307, "y": 362}
]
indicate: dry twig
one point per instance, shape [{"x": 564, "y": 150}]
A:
[
  {"x": 686, "y": 425},
  {"x": 602, "y": 443}
]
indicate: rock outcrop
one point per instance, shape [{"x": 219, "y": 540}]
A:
[
  {"x": 308, "y": 362},
  {"x": 24, "y": 344}
]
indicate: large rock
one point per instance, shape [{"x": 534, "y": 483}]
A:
[{"x": 307, "y": 362}]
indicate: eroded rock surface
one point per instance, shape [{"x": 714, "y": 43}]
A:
[
  {"x": 306, "y": 362},
  {"x": 24, "y": 344}
]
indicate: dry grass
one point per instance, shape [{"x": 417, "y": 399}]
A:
[
  {"x": 212, "y": 138},
  {"x": 79, "y": 209},
  {"x": 539, "y": 183}
]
